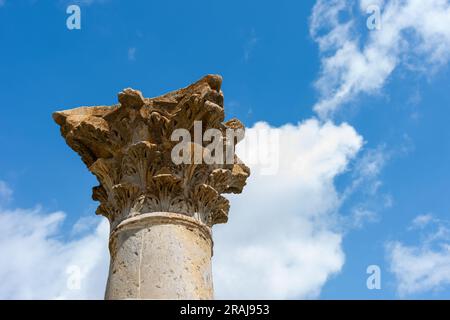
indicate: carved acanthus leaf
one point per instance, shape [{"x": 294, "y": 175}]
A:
[{"x": 128, "y": 148}]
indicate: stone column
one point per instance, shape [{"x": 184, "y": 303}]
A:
[{"x": 160, "y": 211}]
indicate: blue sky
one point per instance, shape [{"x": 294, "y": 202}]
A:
[{"x": 383, "y": 145}]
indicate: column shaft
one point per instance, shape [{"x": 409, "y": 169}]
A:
[{"x": 160, "y": 256}]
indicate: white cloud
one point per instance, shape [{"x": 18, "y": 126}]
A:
[
  {"x": 37, "y": 262},
  {"x": 414, "y": 33},
  {"x": 281, "y": 239},
  {"x": 419, "y": 269},
  {"x": 424, "y": 267}
]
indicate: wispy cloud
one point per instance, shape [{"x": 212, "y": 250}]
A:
[
  {"x": 365, "y": 187},
  {"x": 132, "y": 54},
  {"x": 421, "y": 221},
  {"x": 5, "y": 193},
  {"x": 424, "y": 267},
  {"x": 414, "y": 34},
  {"x": 250, "y": 45},
  {"x": 368, "y": 168}
]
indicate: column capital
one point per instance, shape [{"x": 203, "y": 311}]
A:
[{"x": 128, "y": 147}]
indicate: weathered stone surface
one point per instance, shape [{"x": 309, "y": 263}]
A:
[
  {"x": 162, "y": 256},
  {"x": 128, "y": 148},
  {"x": 160, "y": 212}
]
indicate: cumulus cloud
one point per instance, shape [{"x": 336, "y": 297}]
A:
[
  {"x": 424, "y": 267},
  {"x": 413, "y": 33},
  {"x": 40, "y": 262},
  {"x": 281, "y": 240}
]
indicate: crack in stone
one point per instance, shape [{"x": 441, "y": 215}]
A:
[{"x": 140, "y": 263}]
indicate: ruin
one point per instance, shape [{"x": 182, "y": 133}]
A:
[{"x": 160, "y": 213}]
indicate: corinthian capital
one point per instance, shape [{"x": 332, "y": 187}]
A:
[{"x": 128, "y": 148}]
